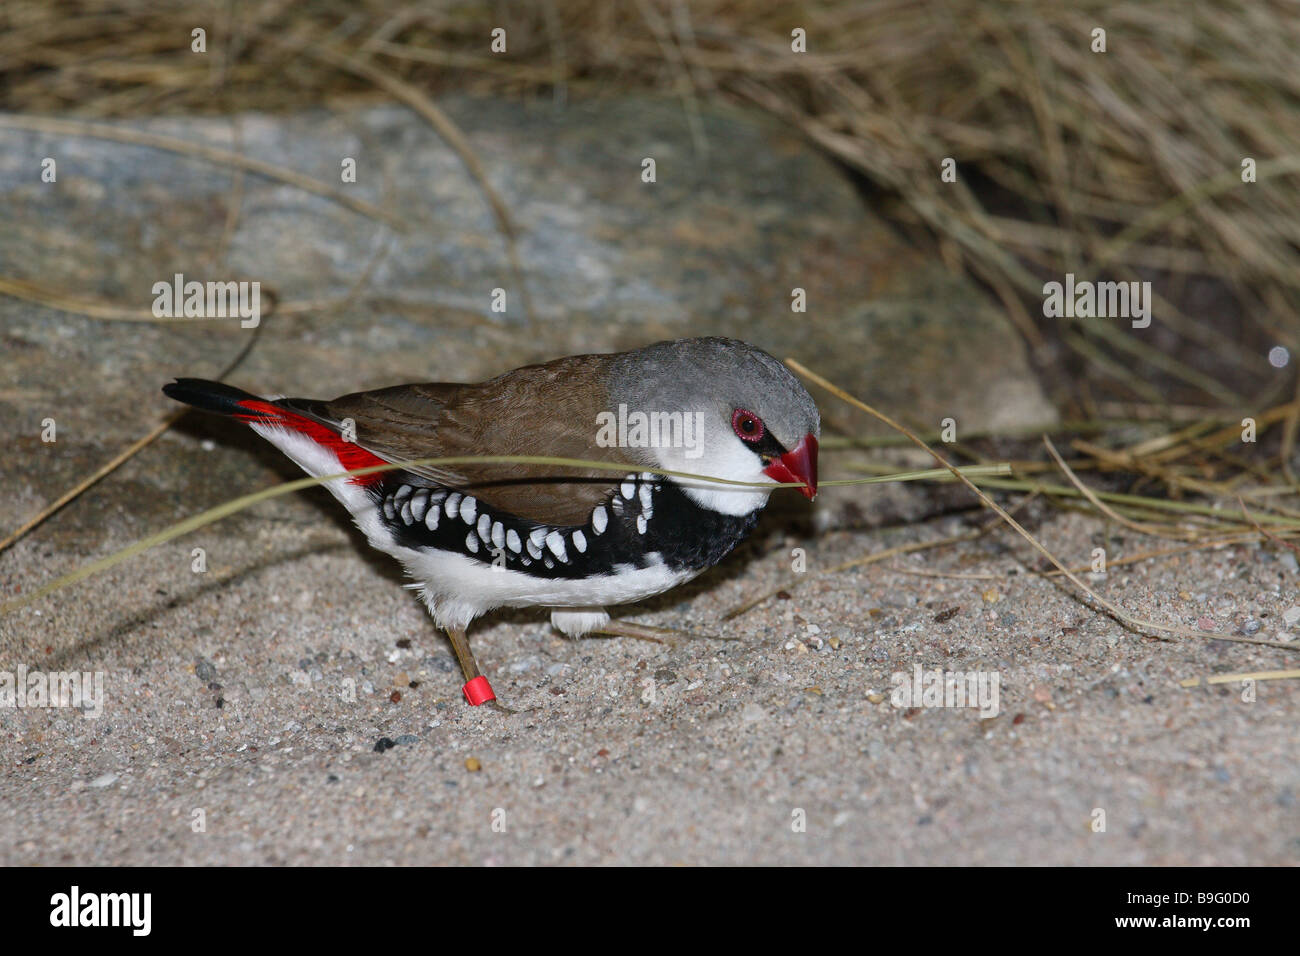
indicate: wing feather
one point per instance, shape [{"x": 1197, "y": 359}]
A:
[{"x": 545, "y": 409}]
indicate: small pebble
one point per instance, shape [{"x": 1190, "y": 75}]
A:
[
  {"x": 991, "y": 596},
  {"x": 472, "y": 764},
  {"x": 1290, "y": 616},
  {"x": 442, "y": 663}
]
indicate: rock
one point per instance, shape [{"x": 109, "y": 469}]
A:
[
  {"x": 752, "y": 713},
  {"x": 715, "y": 246}
]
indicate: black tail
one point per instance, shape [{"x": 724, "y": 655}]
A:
[{"x": 209, "y": 396}]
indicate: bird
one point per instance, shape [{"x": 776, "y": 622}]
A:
[{"x": 475, "y": 536}]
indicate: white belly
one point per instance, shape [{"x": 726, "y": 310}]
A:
[{"x": 459, "y": 589}]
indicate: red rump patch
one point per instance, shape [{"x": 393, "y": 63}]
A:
[{"x": 350, "y": 455}]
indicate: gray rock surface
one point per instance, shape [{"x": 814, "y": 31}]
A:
[{"x": 714, "y": 246}]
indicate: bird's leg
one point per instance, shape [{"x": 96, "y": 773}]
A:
[
  {"x": 646, "y": 632},
  {"x": 477, "y": 690}
]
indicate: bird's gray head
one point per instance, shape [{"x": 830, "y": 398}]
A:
[{"x": 718, "y": 407}]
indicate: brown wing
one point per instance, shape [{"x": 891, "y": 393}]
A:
[{"x": 546, "y": 409}]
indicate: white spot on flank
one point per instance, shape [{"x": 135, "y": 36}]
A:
[
  {"x": 599, "y": 520},
  {"x": 534, "y": 548},
  {"x": 452, "y": 504},
  {"x": 419, "y": 502},
  {"x": 640, "y": 524},
  {"x": 580, "y": 541},
  {"x": 498, "y": 534},
  {"x": 406, "y": 512},
  {"x": 471, "y": 543},
  {"x": 555, "y": 541},
  {"x": 431, "y": 519},
  {"x": 647, "y": 500},
  {"x": 628, "y": 487},
  {"x": 402, "y": 494},
  {"x": 468, "y": 508},
  {"x": 484, "y": 527},
  {"x": 512, "y": 540}
]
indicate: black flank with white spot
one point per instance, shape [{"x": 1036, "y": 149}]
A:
[{"x": 656, "y": 518}]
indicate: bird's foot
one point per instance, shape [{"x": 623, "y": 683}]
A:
[{"x": 646, "y": 632}]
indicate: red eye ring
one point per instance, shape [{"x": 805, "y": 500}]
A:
[{"x": 746, "y": 425}]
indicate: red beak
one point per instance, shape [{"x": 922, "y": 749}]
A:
[{"x": 798, "y": 465}]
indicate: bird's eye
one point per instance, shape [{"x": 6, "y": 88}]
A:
[{"x": 747, "y": 425}]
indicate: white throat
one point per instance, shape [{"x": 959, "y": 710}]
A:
[{"x": 727, "y": 459}]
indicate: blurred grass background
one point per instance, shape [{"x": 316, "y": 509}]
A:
[{"x": 1124, "y": 164}]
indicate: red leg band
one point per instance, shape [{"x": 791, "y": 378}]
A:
[{"x": 478, "y": 691}]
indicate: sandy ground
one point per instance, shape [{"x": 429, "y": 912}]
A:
[{"x": 228, "y": 735}]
